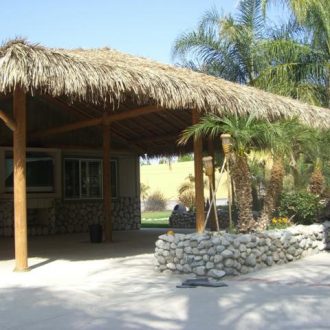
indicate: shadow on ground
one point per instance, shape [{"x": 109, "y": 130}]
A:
[
  {"x": 77, "y": 247},
  {"x": 160, "y": 306}
]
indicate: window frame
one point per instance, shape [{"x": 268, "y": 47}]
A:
[
  {"x": 114, "y": 194},
  {"x": 32, "y": 189}
]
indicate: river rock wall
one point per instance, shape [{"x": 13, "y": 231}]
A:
[
  {"x": 218, "y": 253},
  {"x": 61, "y": 217}
]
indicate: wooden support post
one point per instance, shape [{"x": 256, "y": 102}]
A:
[
  {"x": 107, "y": 184},
  {"x": 199, "y": 185},
  {"x": 211, "y": 153},
  {"x": 20, "y": 212}
]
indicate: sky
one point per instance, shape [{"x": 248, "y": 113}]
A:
[{"x": 140, "y": 27}]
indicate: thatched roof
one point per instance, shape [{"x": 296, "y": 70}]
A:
[{"x": 108, "y": 77}]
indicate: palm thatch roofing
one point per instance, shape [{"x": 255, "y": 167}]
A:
[{"x": 108, "y": 79}]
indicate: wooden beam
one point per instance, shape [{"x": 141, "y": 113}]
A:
[
  {"x": 129, "y": 114},
  {"x": 211, "y": 152},
  {"x": 199, "y": 182},
  {"x": 107, "y": 184},
  {"x": 7, "y": 120},
  {"x": 20, "y": 212}
]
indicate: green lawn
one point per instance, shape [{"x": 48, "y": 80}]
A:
[{"x": 157, "y": 219}]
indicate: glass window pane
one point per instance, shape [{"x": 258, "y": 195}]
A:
[
  {"x": 71, "y": 180},
  {"x": 95, "y": 179},
  {"x": 114, "y": 179},
  {"x": 39, "y": 172},
  {"x": 84, "y": 179}
]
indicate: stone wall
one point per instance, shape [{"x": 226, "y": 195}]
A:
[
  {"x": 6, "y": 218},
  {"x": 215, "y": 254},
  {"x": 72, "y": 216},
  {"x": 76, "y": 216},
  {"x": 182, "y": 220},
  {"x": 41, "y": 221},
  {"x": 188, "y": 219}
]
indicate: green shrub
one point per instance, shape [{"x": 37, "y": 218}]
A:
[
  {"x": 303, "y": 206},
  {"x": 155, "y": 202}
]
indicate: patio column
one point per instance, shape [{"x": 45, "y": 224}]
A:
[
  {"x": 20, "y": 212},
  {"x": 107, "y": 184},
  {"x": 211, "y": 152},
  {"x": 199, "y": 185}
]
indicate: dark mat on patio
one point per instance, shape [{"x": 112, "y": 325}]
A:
[{"x": 205, "y": 282}]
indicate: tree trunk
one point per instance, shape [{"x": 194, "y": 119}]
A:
[
  {"x": 243, "y": 193},
  {"x": 317, "y": 181},
  {"x": 274, "y": 189}
]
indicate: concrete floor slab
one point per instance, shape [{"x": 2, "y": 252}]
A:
[{"x": 74, "y": 284}]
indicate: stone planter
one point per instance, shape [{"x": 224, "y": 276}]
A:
[{"x": 213, "y": 253}]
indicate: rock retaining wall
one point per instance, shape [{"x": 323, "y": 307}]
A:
[
  {"x": 215, "y": 254},
  {"x": 188, "y": 219},
  {"x": 72, "y": 216},
  {"x": 182, "y": 220},
  {"x": 76, "y": 216}
]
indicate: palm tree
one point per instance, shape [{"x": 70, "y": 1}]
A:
[
  {"x": 309, "y": 58},
  {"x": 288, "y": 60},
  {"x": 247, "y": 133},
  {"x": 284, "y": 138},
  {"x": 225, "y": 46},
  {"x": 319, "y": 157}
]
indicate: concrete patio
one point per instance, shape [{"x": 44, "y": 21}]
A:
[{"x": 74, "y": 284}]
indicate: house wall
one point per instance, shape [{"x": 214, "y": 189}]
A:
[{"x": 51, "y": 213}]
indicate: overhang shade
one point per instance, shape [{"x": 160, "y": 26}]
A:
[{"x": 109, "y": 78}]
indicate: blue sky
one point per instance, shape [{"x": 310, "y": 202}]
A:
[{"x": 140, "y": 27}]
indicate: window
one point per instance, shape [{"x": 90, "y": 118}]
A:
[
  {"x": 39, "y": 172},
  {"x": 83, "y": 178}
]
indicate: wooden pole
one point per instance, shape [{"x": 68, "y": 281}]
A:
[
  {"x": 211, "y": 152},
  {"x": 230, "y": 196},
  {"x": 199, "y": 186},
  {"x": 20, "y": 212},
  {"x": 107, "y": 184}
]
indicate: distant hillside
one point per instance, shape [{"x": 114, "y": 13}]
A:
[{"x": 167, "y": 179}]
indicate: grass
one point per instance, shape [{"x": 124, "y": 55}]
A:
[{"x": 155, "y": 219}]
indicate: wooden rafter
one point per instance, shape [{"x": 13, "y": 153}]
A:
[
  {"x": 115, "y": 132},
  {"x": 130, "y": 144},
  {"x": 125, "y": 129},
  {"x": 106, "y": 119},
  {"x": 7, "y": 120},
  {"x": 154, "y": 128},
  {"x": 178, "y": 119},
  {"x": 168, "y": 137},
  {"x": 67, "y": 107},
  {"x": 166, "y": 118}
]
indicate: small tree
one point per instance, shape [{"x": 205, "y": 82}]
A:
[
  {"x": 144, "y": 191},
  {"x": 185, "y": 158},
  {"x": 284, "y": 137},
  {"x": 187, "y": 192},
  {"x": 247, "y": 133},
  {"x": 156, "y": 202}
]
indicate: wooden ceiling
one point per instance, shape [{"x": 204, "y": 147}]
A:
[{"x": 143, "y": 130}]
